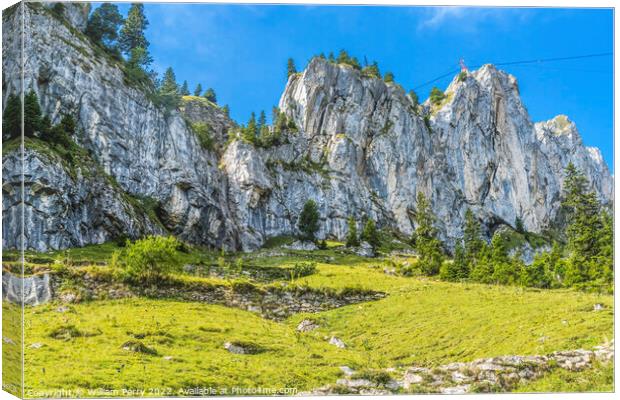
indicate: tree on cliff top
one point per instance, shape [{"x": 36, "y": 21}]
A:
[
  {"x": 211, "y": 96},
  {"x": 290, "y": 67},
  {"x": 132, "y": 32},
  {"x": 103, "y": 24},
  {"x": 169, "y": 90},
  {"x": 184, "y": 89}
]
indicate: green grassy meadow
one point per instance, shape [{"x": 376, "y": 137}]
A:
[{"x": 80, "y": 347}]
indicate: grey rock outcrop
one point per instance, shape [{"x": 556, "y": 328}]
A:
[
  {"x": 148, "y": 152},
  {"x": 496, "y": 374},
  {"x": 65, "y": 207},
  {"x": 371, "y": 153},
  {"x": 30, "y": 290},
  {"x": 74, "y": 12},
  {"x": 359, "y": 148}
]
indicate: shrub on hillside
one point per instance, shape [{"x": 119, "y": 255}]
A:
[
  {"x": 436, "y": 95},
  {"x": 301, "y": 269},
  {"x": 148, "y": 259}
]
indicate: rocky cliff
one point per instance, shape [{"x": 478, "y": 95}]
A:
[
  {"x": 148, "y": 152},
  {"x": 360, "y": 148}
]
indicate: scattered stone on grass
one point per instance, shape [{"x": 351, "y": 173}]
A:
[
  {"x": 301, "y": 245},
  {"x": 307, "y": 325},
  {"x": 502, "y": 374},
  {"x": 337, "y": 342},
  {"x": 138, "y": 347}
]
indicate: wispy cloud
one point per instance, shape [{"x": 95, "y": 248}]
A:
[{"x": 469, "y": 19}]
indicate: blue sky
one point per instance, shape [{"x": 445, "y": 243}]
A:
[{"x": 241, "y": 51}]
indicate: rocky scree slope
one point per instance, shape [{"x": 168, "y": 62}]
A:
[{"x": 361, "y": 148}]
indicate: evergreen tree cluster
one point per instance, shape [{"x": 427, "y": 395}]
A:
[
  {"x": 260, "y": 134},
  {"x": 585, "y": 260},
  {"x": 36, "y": 125},
  {"x": 108, "y": 29},
  {"x": 369, "y": 233}
]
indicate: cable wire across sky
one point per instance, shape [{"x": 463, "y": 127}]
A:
[{"x": 532, "y": 61}]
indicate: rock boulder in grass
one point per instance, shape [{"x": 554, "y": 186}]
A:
[
  {"x": 364, "y": 250},
  {"x": 307, "y": 325},
  {"x": 301, "y": 245},
  {"x": 337, "y": 342},
  {"x": 137, "y": 346},
  {"x": 237, "y": 347}
]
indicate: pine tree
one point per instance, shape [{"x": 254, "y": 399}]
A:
[
  {"x": 471, "y": 239},
  {"x": 198, "y": 90},
  {"x": 519, "y": 225},
  {"x": 458, "y": 269},
  {"x": 427, "y": 244},
  {"x": 372, "y": 70},
  {"x": 262, "y": 120},
  {"x": 132, "y": 32},
  {"x": 436, "y": 95},
  {"x": 504, "y": 271},
  {"x": 539, "y": 273},
  {"x": 103, "y": 24},
  {"x": 169, "y": 90},
  {"x": 308, "y": 222},
  {"x": 12, "y": 118},
  {"x": 226, "y": 110},
  {"x": 62, "y": 132},
  {"x": 210, "y": 95},
  {"x": 184, "y": 89},
  {"x": 413, "y": 96},
  {"x": 583, "y": 214},
  {"x": 33, "y": 120},
  {"x": 370, "y": 234},
  {"x": 352, "y": 238},
  {"x": 250, "y": 131},
  {"x": 139, "y": 58},
  {"x": 604, "y": 268},
  {"x": 388, "y": 77},
  {"x": 586, "y": 232},
  {"x": 343, "y": 57},
  {"x": 482, "y": 270},
  {"x": 290, "y": 67}
]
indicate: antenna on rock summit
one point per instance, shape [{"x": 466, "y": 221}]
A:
[{"x": 462, "y": 64}]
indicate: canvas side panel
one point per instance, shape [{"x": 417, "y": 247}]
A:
[{"x": 12, "y": 201}]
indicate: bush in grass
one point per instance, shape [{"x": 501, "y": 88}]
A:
[
  {"x": 149, "y": 259},
  {"x": 302, "y": 269}
]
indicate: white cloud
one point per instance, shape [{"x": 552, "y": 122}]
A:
[{"x": 468, "y": 19}]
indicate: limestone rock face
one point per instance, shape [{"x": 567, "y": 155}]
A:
[
  {"x": 199, "y": 110},
  {"x": 363, "y": 150},
  {"x": 148, "y": 152},
  {"x": 64, "y": 208},
  {"x": 359, "y": 147},
  {"x": 75, "y": 13}
]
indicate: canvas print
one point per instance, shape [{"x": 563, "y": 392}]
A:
[{"x": 282, "y": 200}]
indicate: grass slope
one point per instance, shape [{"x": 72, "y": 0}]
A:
[{"x": 422, "y": 321}]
